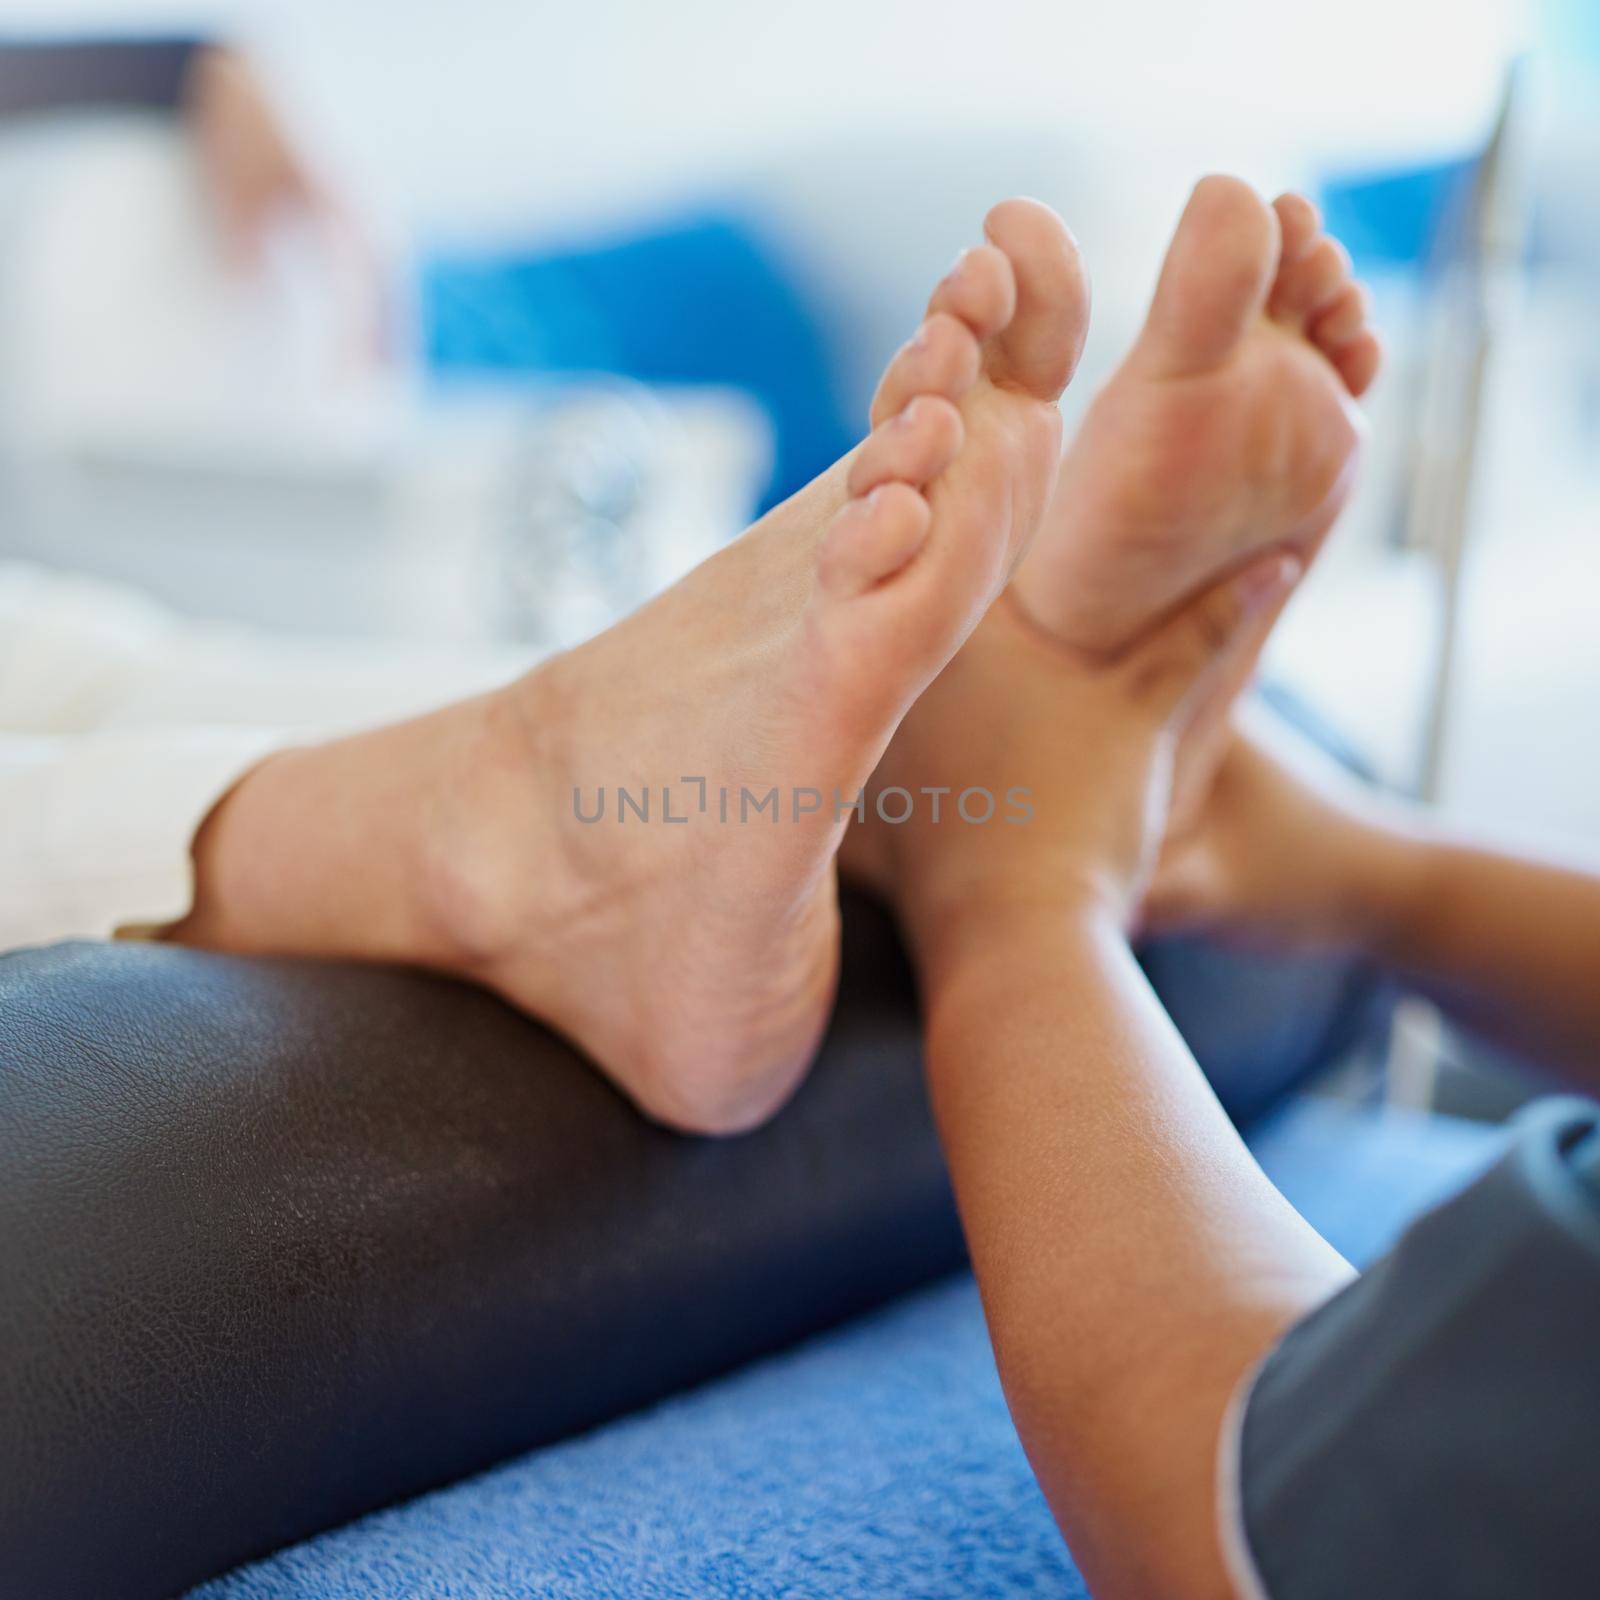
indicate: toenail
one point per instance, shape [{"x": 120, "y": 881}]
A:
[
  {"x": 919, "y": 340},
  {"x": 913, "y": 410}
]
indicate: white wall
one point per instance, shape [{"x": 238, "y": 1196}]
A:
[{"x": 492, "y": 110}]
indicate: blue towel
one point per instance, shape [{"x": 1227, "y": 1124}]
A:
[{"x": 875, "y": 1461}]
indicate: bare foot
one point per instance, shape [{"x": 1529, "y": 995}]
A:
[
  {"x": 693, "y": 954},
  {"x": 1229, "y": 427}
]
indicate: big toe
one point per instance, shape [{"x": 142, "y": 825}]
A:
[
  {"x": 1038, "y": 350},
  {"x": 1214, "y": 283}
]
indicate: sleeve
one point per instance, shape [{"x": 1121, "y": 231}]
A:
[
  {"x": 99, "y": 826},
  {"x": 122, "y": 725},
  {"x": 1434, "y": 1429},
  {"x": 80, "y": 654},
  {"x": 50, "y": 75}
]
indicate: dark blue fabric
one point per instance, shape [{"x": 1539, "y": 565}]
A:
[
  {"x": 1431, "y": 1430},
  {"x": 878, "y": 1460},
  {"x": 1261, "y": 1024},
  {"x": 1586, "y": 1162},
  {"x": 701, "y": 300}
]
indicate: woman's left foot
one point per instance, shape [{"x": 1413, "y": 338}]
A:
[{"x": 683, "y": 930}]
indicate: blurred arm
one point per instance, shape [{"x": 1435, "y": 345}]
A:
[
  {"x": 1299, "y": 856},
  {"x": 1509, "y": 944}
]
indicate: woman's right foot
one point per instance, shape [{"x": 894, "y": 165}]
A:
[
  {"x": 693, "y": 955},
  {"x": 1229, "y": 427}
]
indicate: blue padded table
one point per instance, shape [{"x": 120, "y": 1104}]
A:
[{"x": 875, "y": 1460}]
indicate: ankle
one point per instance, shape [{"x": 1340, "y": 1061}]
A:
[{"x": 490, "y": 874}]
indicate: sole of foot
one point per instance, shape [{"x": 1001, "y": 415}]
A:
[
  {"x": 640, "y": 845},
  {"x": 1231, "y": 425}
]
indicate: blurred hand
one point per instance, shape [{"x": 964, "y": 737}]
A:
[
  {"x": 255, "y": 174},
  {"x": 1091, "y": 741},
  {"x": 1140, "y": 735},
  {"x": 259, "y": 180},
  {"x": 1274, "y": 849}
]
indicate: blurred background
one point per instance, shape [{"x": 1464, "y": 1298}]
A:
[{"x": 472, "y": 326}]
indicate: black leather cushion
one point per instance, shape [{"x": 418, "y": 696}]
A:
[{"x": 281, "y": 1242}]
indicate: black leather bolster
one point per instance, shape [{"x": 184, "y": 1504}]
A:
[{"x": 283, "y": 1242}]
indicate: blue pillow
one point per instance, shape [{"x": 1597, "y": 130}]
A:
[
  {"x": 700, "y": 300},
  {"x": 1390, "y": 220}
]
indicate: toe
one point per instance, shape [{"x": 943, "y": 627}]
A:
[
  {"x": 1214, "y": 282},
  {"x": 912, "y": 447},
  {"x": 980, "y": 289},
  {"x": 1342, "y": 319},
  {"x": 1312, "y": 282},
  {"x": 871, "y": 539},
  {"x": 1038, "y": 349},
  {"x": 1358, "y": 362},
  {"x": 942, "y": 358},
  {"x": 1300, "y": 224}
]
